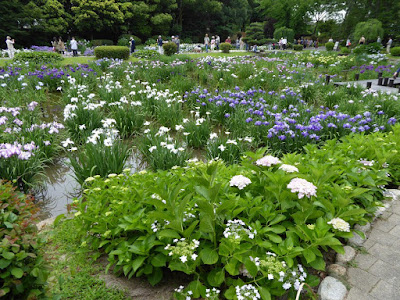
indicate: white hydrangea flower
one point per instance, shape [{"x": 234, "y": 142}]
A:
[
  {"x": 268, "y": 161},
  {"x": 340, "y": 224},
  {"x": 240, "y": 181},
  {"x": 288, "y": 168},
  {"x": 303, "y": 187}
]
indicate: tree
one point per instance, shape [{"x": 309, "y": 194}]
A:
[
  {"x": 98, "y": 16},
  {"x": 285, "y": 33},
  {"x": 370, "y": 30},
  {"x": 255, "y": 34}
]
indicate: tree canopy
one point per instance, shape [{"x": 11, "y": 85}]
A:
[{"x": 37, "y": 21}]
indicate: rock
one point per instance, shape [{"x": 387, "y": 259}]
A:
[
  {"x": 365, "y": 228},
  {"x": 42, "y": 224},
  {"x": 337, "y": 270},
  {"x": 356, "y": 240},
  {"x": 349, "y": 254},
  {"x": 395, "y": 194},
  {"x": 332, "y": 289}
]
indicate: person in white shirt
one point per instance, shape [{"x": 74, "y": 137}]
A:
[
  {"x": 74, "y": 47},
  {"x": 10, "y": 46},
  {"x": 206, "y": 42},
  {"x": 284, "y": 43},
  {"x": 388, "y": 45}
]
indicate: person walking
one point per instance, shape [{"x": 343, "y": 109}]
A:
[
  {"x": 378, "y": 40},
  {"x": 74, "y": 47},
  {"x": 206, "y": 42},
  {"x": 362, "y": 40},
  {"x": 177, "y": 41},
  {"x": 388, "y": 45},
  {"x": 160, "y": 43},
  {"x": 133, "y": 44},
  {"x": 213, "y": 42},
  {"x": 241, "y": 43},
  {"x": 228, "y": 40},
  {"x": 348, "y": 43},
  {"x": 217, "y": 41},
  {"x": 284, "y": 43},
  {"x": 60, "y": 46},
  {"x": 10, "y": 47}
]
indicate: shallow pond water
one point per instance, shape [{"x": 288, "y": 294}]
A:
[{"x": 60, "y": 187}]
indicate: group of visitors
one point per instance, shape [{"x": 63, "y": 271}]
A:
[
  {"x": 174, "y": 39},
  {"x": 215, "y": 41},
  {"x": 58, "y": 45}
]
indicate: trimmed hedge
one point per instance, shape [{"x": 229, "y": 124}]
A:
[
  {"x": 329, "y": 46},
  {"x": 120, "y": 52},
  {"x": 96, "y": 43},
  {"x": 395, "y": 51},
  {"x": 39, "y": 57},
  {"x": 23, "y": 270},
  {"x": 345, "y": 50},
  {"x": 170, "y": 48},
  {"x": 225, "y": 47},
  {"x": 298, "y": 47}
]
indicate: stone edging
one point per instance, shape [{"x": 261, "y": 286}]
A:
[{"x": 332, "y": 287}]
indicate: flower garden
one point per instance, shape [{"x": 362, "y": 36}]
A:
[{"x": 257, "y": 169}]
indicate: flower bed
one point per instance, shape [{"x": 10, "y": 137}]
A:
[{"x": 257, "y": 227}]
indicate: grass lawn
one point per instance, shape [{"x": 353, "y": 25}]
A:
[{"x": 73, "y": 272}]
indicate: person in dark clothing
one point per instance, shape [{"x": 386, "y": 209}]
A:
[{"x": 133, "y": 45}]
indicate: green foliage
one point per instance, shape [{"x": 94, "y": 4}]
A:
[
  {"x": 284, "y": 32},
  {"x": 345, "y": 50},
  {"x": 370, "y": 29},
  {"x": 23, "y": 271},
  {"x": 120, "y": 52},
  {"x": 38, "y": 57},
  {"x": 96, "y": 43},
  {"x": 150, "y": 42},
  {"x": 298, "y": 47},
  {"x": 372, "y": 48},
  {"x": 329, "y": 46},
  {"x": 90, "y": 160},
  {"x": 395, "y": 51},
  {"x": 200, "y": 221},
  {"x": 147, "y": 54},
  {"x": 225, "y": 47},
  {"x": 123, "y": 42},
  {"x": 170, "y": 48},
  {"x": 255, "y": 34},
  {"x": 138, "y": 41}
]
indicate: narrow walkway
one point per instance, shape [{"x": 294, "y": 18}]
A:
[{"x": 376, "y": 274}]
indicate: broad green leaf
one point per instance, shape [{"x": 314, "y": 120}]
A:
[
  {"x": 137, "y": 263},
  {"x": 274, "y": 237},
  {"x": 264, "y": 293},
  {"x": 232, "y": 267},
  {"x": 209, "y": 256},
  {"x": 8, "y": 255},
  {"x": 216, "y": 277},
  {"x": 168, "y": 233},
  {"x": 17, "y": 272},
  {"x": 318, "y": 264},
  {"x": 155, "y": 277},
  {"x": 197, "y": 288},
  {"x": 159, "y": 260},
  {"x": 251, "y": 267},
  {"x": 309, "y": 255},
  {"x": 4, "y": 263}
]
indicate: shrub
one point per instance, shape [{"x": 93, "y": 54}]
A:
[
  {"x": 225, "y": 47},
  {"x": 298, "y": 47},
  {"x": 145, "y": 54},
  {"x": 370, "y": 29},
  {"x": 96, "y": 43},
  {"x": 215, "y": 222},
  {"x": 123, "y": 42},
  {"x": 285, "y": 33},
  {"x": 372, "y": 48},
  {"x": 138, "y": 41},
  {"x": 329, "y": 46},
  {"x": 150, "y": 42},
  {"x": 170, "y": 48},
  {"x": 395, "y": 51},
  {"x": 23, "y": 272},
  {"x": 39, "y": 57},
  {"x": 120, "y": 52},
  {"x": 344, "y": 50}
]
